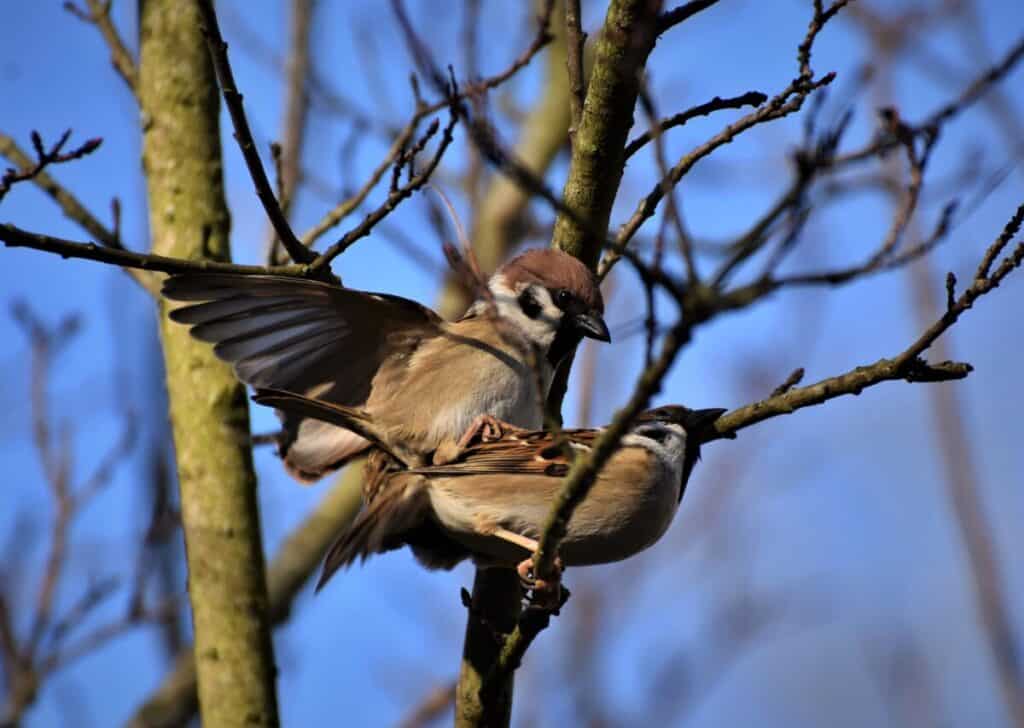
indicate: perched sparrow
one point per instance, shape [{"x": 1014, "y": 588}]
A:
[
  {"x": 492, "y": 501},
  {"x": 423, "y": 380}
]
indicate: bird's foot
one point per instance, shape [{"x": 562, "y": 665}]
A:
[
  {"x": 548, "y": 594},
  {"x": 484, "y": 427},
  {"x": 487, "y": 428}
]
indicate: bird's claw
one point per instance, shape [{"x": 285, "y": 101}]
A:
[
  {"x": 484, "y": 427},
  {"x": 545, "y": 593}
]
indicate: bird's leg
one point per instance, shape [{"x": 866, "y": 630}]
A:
[
  {"x": 512, "y": 537},
  {"x": 486, "y": 427},
  {"x": 546, "y": 593}
]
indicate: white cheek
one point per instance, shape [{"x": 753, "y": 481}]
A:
[
  {"x": 540, "y": 330},
  {"x": 669, "y": 451}
]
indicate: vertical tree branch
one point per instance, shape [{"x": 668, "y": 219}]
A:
[
  {"x": 598, "y": 155},
  {"x": 493, "y": 612},
  {"x": 209, "y": 414}
]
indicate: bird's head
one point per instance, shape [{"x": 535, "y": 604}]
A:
[
  {"x": 553, "y": 298},
  {"x": 675, "y": 434}
]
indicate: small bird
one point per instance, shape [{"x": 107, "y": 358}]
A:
[
  {"x": 423, "y": 380},
  {"x": 491, "y": 502}
]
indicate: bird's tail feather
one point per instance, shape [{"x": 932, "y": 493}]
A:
[
  {"x": 348, "y": 418},
  {"x": 382, "y": 526}
]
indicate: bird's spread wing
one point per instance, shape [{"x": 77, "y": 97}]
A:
[
  {"x": 522, "y": 453},
  {"x": 296, "y": 334},
  {"x": 303, "y": 336}
]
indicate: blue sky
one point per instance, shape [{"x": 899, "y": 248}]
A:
[{"x": 839, "y": 514}]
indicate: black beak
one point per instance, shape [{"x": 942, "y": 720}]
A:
[
  {"x": 592, "y": 326},
  {"x": 695, "y": 421}
]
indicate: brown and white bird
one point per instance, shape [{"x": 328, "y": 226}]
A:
[
  {"x": 490, "y": 503},
  {"x": 423, "y": 380}
]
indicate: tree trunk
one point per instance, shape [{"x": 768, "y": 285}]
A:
[{"x": 209, "y": 417}]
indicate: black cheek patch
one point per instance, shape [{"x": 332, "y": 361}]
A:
[{"x": 529, "y": 304}]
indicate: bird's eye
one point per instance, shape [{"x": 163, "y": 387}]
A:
[{"x": 563, "y": 298}]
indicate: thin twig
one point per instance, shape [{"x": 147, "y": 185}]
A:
[
  {"x": 668, "y": 192},
  {"x": 297, "y": 70},
  {"x": 750, "y": 98},
  {"x": 675, "y": 16},
  {"x": 394, "y": 198},
  {"x": 243, "y": 135},
  {"x": 120, "y": 56},
  {"x": 786, "y": 102},
  {"x": 74, "y": 209},
  {"x": 44, "y": 158}
]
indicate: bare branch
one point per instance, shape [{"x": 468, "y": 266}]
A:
[
  {"x": 120, "y": 56},
  {"x": 671, "y": 209},
  {"x": 394, "y": 198},
  {"x": 28, "y": 660},
  {"x": 906, "y": 366},
  {"x": 750, "y": 98},
  {"x": 821, "y": 17},
  {"x": 786, "y": 102},
  {"x": 74, "y": 209},
  {"x": 472, "y": 88},
  {"x": 44, "y": 158},
  {"x": 297, "y": 71},
  {"x": 243, "y": 135},
  {"x": 794, "y": 378},
  {"x": 15, "y": 237},
  {"x": 675, "y": 16},
  {"x": 344, "y": 208},
  {"x": 974, "y": 91}
]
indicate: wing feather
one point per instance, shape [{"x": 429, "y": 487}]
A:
[
  {"x": 530, "y": 453},
  {"x": 304, "y": 336}
]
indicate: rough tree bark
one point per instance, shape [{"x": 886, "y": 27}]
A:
[{"x": 209, "y": 417}]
